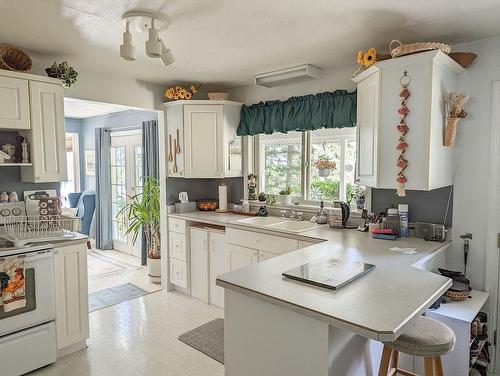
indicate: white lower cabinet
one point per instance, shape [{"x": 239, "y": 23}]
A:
[
  {"x": 217, "y": 242},
  {"x": 179, "y": 273},
  {"x": 266, "y": 255},
  {"x": 178, "y": 252},
  {"x": 199, "y": 263},
  {"x": 238, "y": 257},
  {"x": 71, "y": 288}
]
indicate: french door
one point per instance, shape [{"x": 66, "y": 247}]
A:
[{"x": 126, "y": 181}]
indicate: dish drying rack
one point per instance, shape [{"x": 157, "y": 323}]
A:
[{"x": 22, "y": 230}]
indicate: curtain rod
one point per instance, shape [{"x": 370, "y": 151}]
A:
[{"x": 131, "y": 128}]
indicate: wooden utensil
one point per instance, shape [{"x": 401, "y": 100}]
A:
[
  {"x": 175, "y": 157},
  {"x": 178, "y": 147},
  {"x": 170, "y": 158}
]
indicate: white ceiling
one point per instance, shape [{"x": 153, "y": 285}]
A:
[
  {"x": 81, "y": 109},
  {"x": 226, "y": 42}
]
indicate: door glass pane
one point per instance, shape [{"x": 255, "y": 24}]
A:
[
  {"x": 118, "y": 192},
  {"x": 282, "y": 154},
  {"x": 138, "y": 168},
  {"x": 350, "y": 163}
]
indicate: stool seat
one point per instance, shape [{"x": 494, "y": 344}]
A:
[{"x": 425, "y": 337}]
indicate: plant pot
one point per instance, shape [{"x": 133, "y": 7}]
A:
[
  {"x": 285, "y": 199},
  {"x": 324, "y": 172},
  {"x": 360, "y": 203},
  {"x": 451, "y": 131},
  {"x": 154, "y": 270}
]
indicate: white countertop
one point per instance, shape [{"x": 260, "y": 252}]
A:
[
  {"x": 378, "y": 305},
  {"x": 33, "y": 247}
]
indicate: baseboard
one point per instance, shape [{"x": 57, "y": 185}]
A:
[{"x": 71, "y": 348}]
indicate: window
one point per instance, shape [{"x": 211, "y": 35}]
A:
[
  {"x": 289, "y": 159},
  {"x": 73, "y": 166}
]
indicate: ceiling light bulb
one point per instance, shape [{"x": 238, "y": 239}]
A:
[
  {"x": 153, "y": 46},
  {"x": 167, "y": 57},
  {"x": 127, "y": 49}
]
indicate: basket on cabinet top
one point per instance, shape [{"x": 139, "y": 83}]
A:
[
  {"x": 399, "y": 49},
  {"x": 22, "y": 230}
]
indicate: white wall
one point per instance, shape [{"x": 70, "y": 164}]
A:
[
  {"x": 104, "y": 87},
  {"x": 471, "y": 183}
]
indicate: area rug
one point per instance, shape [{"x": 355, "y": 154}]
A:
[
  {"x": 103, "y": 266},
  {"x": 208, "y": 339},
  {"x": 114, "y": 295}
]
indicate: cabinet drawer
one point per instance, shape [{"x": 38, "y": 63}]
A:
[
  {"x": 263, "y": 242},
  {"x": 177, "y": 225},
  {"x": 179, "y": 273},
  {"x": 177, "y": 246}
]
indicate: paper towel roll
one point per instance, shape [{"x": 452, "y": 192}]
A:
[{"x": 222, "y": 197}]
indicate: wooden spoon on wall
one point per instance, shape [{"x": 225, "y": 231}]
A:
[
  {"x": 178, "y": 147},
  {"x": 175, "y": 158},
  {"x": 170, "y": 158}
]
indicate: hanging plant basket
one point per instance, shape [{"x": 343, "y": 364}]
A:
[{"x": 324, "y": 172}]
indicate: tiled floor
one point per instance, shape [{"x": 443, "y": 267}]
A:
[{"x": 139, "y": 337}]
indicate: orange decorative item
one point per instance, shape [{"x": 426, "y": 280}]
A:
[{"x": 402, "y": 127}]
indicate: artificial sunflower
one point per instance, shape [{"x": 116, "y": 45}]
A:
[
  {"x": 170, "y": 93},
  {"x": 194, "y": 89},
  {"x": 360, "y": 57},
  {"x": 370, "y": 58},
  {"x": 189, "y": 95}
]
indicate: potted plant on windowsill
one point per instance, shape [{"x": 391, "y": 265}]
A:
[
  {"x": 285, "y": 196},
  {"x": 324, "y": 167},
  {"x": 143, "y": 214}
]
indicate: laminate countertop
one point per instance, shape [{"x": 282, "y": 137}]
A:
[{"x": 379, "y": 305}]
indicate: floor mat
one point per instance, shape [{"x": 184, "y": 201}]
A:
[
  {"x": 114, "y": 295},
  {"x": 103, "y": 266},
  {"x": 208, "y": 339}
]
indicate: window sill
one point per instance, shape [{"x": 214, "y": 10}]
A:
[{"x": 303, "y": 207}]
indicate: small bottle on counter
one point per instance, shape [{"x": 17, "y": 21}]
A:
[
  {"x": 403, "y": 219},
  {"x": 322, "y": 216}
]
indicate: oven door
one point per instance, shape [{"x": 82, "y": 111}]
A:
[{"x": 40, "y": 300}]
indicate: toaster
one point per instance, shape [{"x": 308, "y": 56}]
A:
[{"x": 430, "y": 231}]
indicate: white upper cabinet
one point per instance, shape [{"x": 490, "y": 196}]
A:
[
  {"x": 47, "y": 140},
  {"x": 201, "y": 139},
  {"x": 14, "y": 103},
  {"x": 431, "y": 165}
]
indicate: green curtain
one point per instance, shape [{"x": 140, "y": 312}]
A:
[{"x": 323, "y": 110}]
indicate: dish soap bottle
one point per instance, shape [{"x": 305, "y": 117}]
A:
[{"x": 322, "y": 216}]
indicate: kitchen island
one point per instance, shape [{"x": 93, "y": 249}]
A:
[{"x": 275, "y": 326}]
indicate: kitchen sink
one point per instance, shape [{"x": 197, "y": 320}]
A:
[
  {"x": 280, "y": 224},
  {"x": 261, "y": 221},
  {"x": 294, "y": 226}
]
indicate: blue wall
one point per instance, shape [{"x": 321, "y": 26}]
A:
[{"x": 86, "y": 130}]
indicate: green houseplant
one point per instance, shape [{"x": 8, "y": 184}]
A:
[
  {"x": 63, "y": 71},
  {"x": 143, "y": 215},
  {"x": 285, "y": 195}
]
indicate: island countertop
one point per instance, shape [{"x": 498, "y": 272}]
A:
[{"x": 378, "y": 305}]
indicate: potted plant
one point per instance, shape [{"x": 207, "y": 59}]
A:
[
  {"x": 360, "y": 198},
  {"x": 285, "y": 195},
  {"x": 324, "y": 167},
  {"x": 143, "y": 214},
  {"x": 64, "y": 72}
]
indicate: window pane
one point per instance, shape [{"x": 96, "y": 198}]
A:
[
  {"x": 337, "y": 146},
  {"x": 282, "y": 159}
]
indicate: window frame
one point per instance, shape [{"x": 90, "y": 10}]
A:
[{"x": 306, "y": 165}]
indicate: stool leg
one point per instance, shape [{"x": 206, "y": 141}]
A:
[
  {"x": 384, "y": 362},
  {"x": 394, "y": 359},
  {"x": 428, "y": 366},
  {"x": 438, "y": 366}
]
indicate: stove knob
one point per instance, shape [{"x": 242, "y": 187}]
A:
[
  {"x": 5, "y": 212},
  {"x": 17, "y": 211}
]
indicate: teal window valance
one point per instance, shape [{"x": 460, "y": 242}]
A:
[{"x": 323, "y": 110}]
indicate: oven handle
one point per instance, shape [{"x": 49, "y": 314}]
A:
[{"x": 31, "y": 256}]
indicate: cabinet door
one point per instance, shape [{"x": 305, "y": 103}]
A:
[
  {"x": 48, "y": 140},
  {"x": 178, "y": 273},
  {"x": 263, "y": 255},
  {"x": 368, "y": 105},
  {"x": 203, "y": 141},
  {"x": 175, "y": 135},
  {"x": 177, "y": 246},
  {"x": 238, "y": 257},
  {"x": 72, "y": 309},
  {"x": 14, "y": 103},
  {"x": 217, "y": 266},
  {"x": 199, "y": 263}
]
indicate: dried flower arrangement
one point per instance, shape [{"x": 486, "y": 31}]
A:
[
  {"x": 368, "y": 58},
  {"x": 325, "y": 164},
  {"x": 179, "y": 92},
  {"x": 455, "y": 103}
]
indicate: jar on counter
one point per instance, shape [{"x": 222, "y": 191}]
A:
[{"x": 392, "y": 220}]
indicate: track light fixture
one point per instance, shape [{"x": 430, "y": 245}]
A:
[
  {"x": 127, "y": 49},
  {"x": 152, "y": 24}
]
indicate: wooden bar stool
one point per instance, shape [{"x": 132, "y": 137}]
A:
[{"x": 426, "y": 338}]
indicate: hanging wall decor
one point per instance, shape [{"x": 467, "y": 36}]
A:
[{"x": 403, "y": 129}]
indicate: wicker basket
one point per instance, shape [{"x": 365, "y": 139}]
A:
[
  {"x": 463, "y": 58},
  {"x": 218, "y": 96},
  {"x": 14, "y": 59},
  {"x": 398, "y": 49},
  {"x": 458, "y": 295}
]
